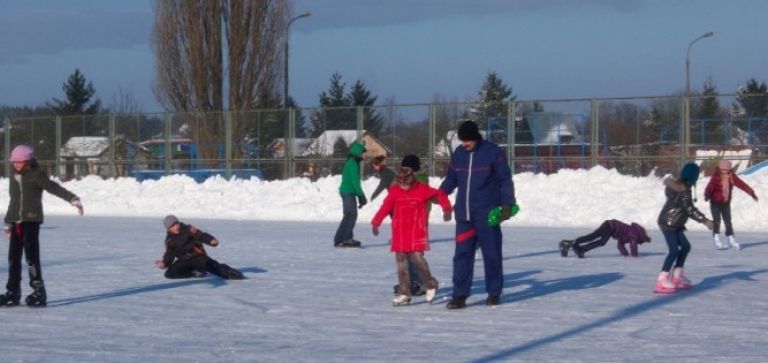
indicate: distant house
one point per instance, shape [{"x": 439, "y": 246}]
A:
[
  {"x": 445, "y": 149},
  {"x": 89, "y": 155},
  {"x": 299, "y": 147},
  {"x": 324, "y": 144},
  {"x": 553, "y": 128}
]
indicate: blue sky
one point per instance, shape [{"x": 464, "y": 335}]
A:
[{"x": 412, "y": 50}]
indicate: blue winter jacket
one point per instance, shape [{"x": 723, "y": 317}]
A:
[{"x": 483, "y": 178}]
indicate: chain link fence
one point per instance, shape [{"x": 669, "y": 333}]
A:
[{"x": 636, "y": 136}]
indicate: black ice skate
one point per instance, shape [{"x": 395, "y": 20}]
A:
[
  {"x": 37, "y": 298},
  {"x": 9, "y": 299},
  {"x": 565, "y": 245}
]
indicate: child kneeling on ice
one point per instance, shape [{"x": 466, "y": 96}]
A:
[
  {"x": 185, "y": 256},
  {"x": 675, "y": 213},
  {"x": 406, "y": 203},
  {"x": 634, "y": 234}
]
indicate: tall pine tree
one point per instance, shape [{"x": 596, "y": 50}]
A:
[
  {"x": 707, "y": 113},
  {"x": 79, "y": 94},
  {"x": 338, "y": 108},
  {"x": 492, "y": 106},
  {"x": 753, "y": 98}
]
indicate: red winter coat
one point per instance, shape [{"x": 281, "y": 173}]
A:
[
  {"x": 408, "y": 209},
  {"x": 714, "y": 190}
]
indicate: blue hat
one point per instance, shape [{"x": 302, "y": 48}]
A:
[{"x": 690, "y": 173}]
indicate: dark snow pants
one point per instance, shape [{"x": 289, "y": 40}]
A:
[
  {"x": 24, "y": 240},
  {"x": 468, "y": 236},
  {"x": 596, "y": 239},
  {"x": 679, "y": 247},
  {"x": 721, "y": 210},
  {"x": 182, "y": 269},
  {"x": 347, "y": 225}
]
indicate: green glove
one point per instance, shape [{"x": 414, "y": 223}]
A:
[{"x": 497, "y": 215}]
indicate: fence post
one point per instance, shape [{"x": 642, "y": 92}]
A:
[
  {"x": 228, "y": 145},
  {"x": 57, "y": 148},
  {"x": 7, "y": 148},
  {"x": 289, "y": 142},
  {"x": 684, "y": 128},
  {"x": 595, "y": 130},
  {"x": 168, "y": 153},
  {"x": 431, "y": 137},
  {"x": 112, "y": 167},
  {"x": 511, "y": 135}
]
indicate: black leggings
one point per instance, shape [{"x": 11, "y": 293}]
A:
[
  {"x": 182, "y": 269},
  {"x": 25, "y": 240},
  {"x": 679, "y": 247},
  {"x": 598, "y": 238},
  {"x": 723, "y": 210}
]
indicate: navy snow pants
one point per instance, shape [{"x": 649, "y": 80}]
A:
[{"x": 468, "y": 235}]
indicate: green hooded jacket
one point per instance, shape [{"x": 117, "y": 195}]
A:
[
  {"x": 26, "y": 191},
  {"x": 350, "y": 175}
]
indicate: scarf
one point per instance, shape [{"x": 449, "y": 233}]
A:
[{"x": 725, "y": 181}]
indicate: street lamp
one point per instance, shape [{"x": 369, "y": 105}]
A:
[
  {"x": 687, "y": 125},
  {"x": 287, "y": 35}
]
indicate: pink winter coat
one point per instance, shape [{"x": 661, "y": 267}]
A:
[{"x": 408, "y": 209}]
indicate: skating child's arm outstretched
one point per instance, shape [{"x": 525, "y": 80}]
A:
[
  {"x": 50, "y": 186},
  {"x": 386, "y": 209},
  {"x": 743, "y": 186}
]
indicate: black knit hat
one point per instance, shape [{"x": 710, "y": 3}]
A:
[
  {"x": 411, "y": 161},
  {"x": 468, "y": 131}
]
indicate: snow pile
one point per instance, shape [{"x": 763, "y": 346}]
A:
[{"x": 570, "y": 198}]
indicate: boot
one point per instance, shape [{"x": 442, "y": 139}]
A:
[
  {"x": 457, "y": 302},
  {"x": 679, "y": 279},
  {"x": 565, "y": 245},
  {"x": 37, "y": 298},
  {"x": 492, "y": 300},
  {"x": 579, "y": 251},
  {"x": 231, "y": 273},
  {"x": 430, "y": 295},
  {"x": 401, "y": 300},
  {"x": 732, "y": 242},
  {"x": 719, "y": 245},
  {"x": 10, "y": 298},
  {"x": 663, "y": 284}
]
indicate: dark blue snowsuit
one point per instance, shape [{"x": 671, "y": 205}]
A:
[{"x": 484, "y": 181}]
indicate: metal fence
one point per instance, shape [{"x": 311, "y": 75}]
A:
[{"x": 637, "y": 136}]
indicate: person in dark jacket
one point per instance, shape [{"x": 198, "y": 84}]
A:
[
  {"x": 350, "y": 189},
  {"x": 22, "y": 224},
  {"x": 185, "y": 255},
  {"x": 719, "y": 193},
  {"x": 672, "y": 218},
  {"x": 632, "y": 234},
  {"x": 480, "y": 171},
  {"x": 386, "y": 176}
]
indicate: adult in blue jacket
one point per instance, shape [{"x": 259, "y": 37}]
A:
[{"x": 480, "y": 171}]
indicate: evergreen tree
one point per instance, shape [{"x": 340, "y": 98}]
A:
[
  {"x": 707, "y": 113},
  {"x": 79, "y": 94},
  {"x": 753, "y": 98},
  {"x": 338, "y": 108},
  {"x": 359, "y": 95},
  {"x": 492, "y": 107}
]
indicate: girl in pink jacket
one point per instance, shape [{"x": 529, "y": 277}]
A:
[{"x": 719, "y": 193}]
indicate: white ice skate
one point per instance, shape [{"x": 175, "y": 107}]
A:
[
  {"x": 732, "y": 242},
  {"x": 719, "y": 245},
  {"x": 401, "y": 300}
]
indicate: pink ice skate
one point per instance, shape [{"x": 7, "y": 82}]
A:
[
  {"x": 679, "y": 279},
  {"x": 663, "y": 284}
]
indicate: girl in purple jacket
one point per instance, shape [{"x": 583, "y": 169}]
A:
[{"x": 634, "y": 234}]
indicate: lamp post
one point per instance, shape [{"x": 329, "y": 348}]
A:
[
  {"x": 287, "y": 35},
  {"x": 687, "y": 100}
]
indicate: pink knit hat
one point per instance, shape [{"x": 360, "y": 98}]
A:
[
  {"x": 22, "y": 153},
  {"x": 724, "y": 165}
]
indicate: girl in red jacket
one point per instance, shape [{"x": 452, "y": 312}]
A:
[
  {"x": 407, "y": 203},
  {"x": 719, "y": 193}
]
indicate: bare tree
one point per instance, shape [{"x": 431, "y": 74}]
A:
[{"x": 193, "y": 41}]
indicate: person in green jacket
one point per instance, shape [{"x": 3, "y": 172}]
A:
[
  {"x": 22, "y": 224},
  {"x": 350, "y": 189}
]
